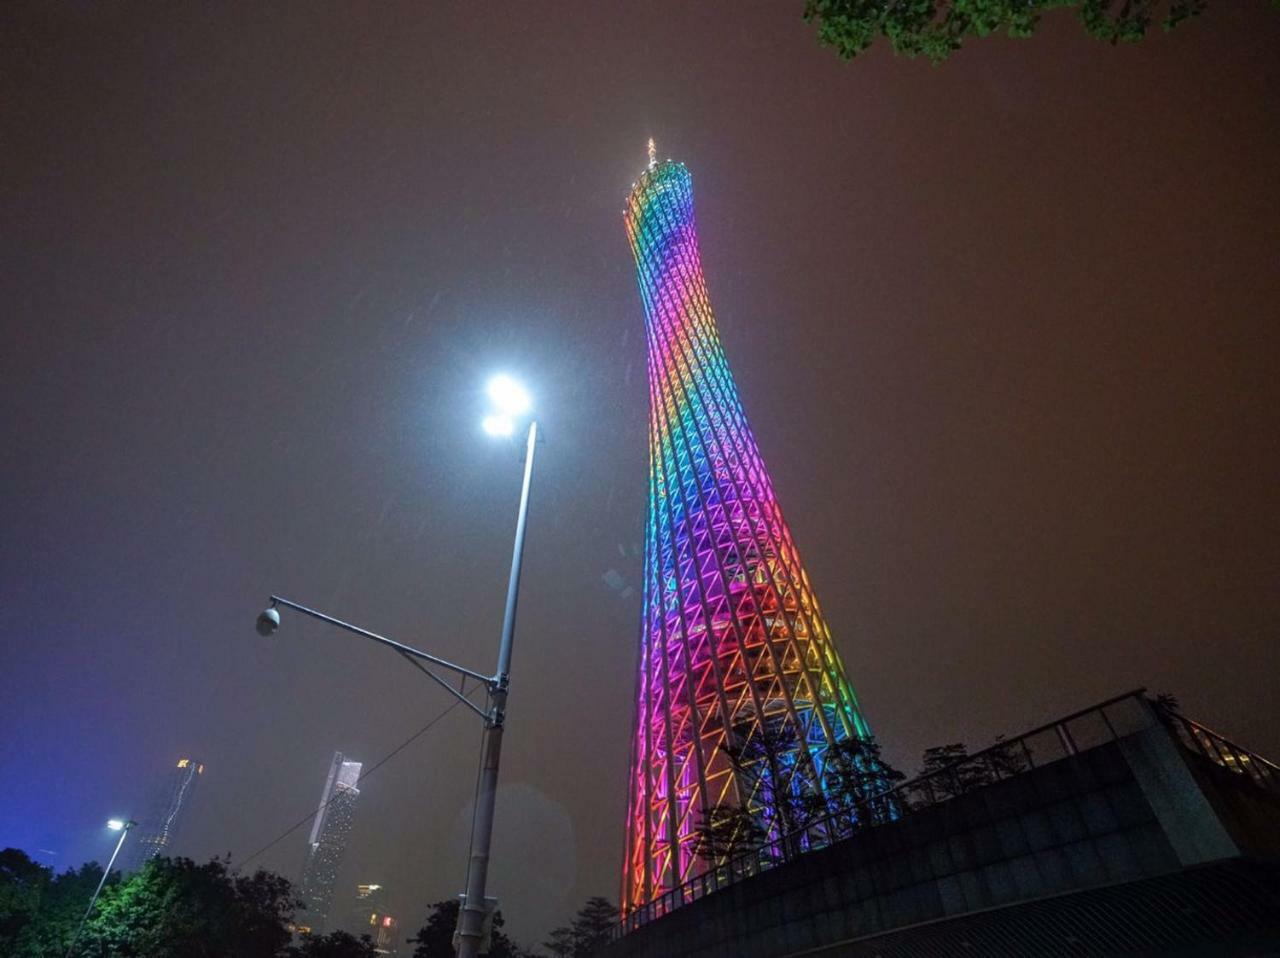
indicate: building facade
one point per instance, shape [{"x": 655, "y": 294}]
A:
[
  {"x": 159, "y": 829},
  {"x": 736, "y": 658},
  {"x": 327, "y": 843},
  {"x": 370, "y": 915},
  {"x": 1123, "y": 829}
]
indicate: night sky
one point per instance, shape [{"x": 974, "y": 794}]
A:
[{"x": 1006, "y": 330}]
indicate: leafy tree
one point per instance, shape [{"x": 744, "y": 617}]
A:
[
  {"x": 856, "y": 781},
  {"x": 849, "y": 791},
  {"x": 590, "y": 930},
  {"x": 727, "y": 832},
  {"x": 592, "y": 926},
  {"x": 1006, "y": 758},
  {"x": 23, "y": 883},
  {"x": 174, "y": 908},
  {"x": 38, "y": 911},
  {"x": 937, "y": 28},
  {"x": 940, "y": 756},
  {"x": 560, "y": 943},
  {"x": 336, "y": 944},
  {"x": 171, "y": 908},
  {"x": 772, "y": 795},
  {"x": 435, "y": 939},
  {"x": 962, "y": 776}
]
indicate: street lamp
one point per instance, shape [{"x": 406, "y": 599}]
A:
[
  {"x": 121, "y": 825},
  {"x": 511, "y": 403}
]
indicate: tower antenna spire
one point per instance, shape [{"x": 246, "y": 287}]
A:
[{"x": 653, "y": 153}]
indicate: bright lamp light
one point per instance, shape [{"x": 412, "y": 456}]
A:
[
  {"x": 509, "y": 396},
  {"x": 115, "y": 824},
  {"x": 498, "y": 425}
]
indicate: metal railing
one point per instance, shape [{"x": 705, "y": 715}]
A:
[
  {"x": 1220, "y": 750},
  {"x": 1110, "y": 720}
]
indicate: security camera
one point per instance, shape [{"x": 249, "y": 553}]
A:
[{"x": 268, "y": 621}]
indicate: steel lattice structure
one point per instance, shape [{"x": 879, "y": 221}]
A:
[{"x": 734, "y": 645}]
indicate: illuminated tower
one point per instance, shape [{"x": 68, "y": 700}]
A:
[
  {"x": 328, "y": 842},
  {"x": 735, "y": 654},
  {"x": 160, "y": 828}
]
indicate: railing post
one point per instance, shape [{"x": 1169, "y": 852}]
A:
[
  {"x": 1064, "y": 736},
  {"x": 1110, "y": 728}
]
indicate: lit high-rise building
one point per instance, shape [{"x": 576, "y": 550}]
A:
[
  {"x": 735, "y": 652},
  {"x": 369, "y": 916},
  {"x": 159, "y": 829},
  {"x": 328, "y": 842}
]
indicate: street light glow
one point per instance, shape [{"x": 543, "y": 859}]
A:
[
  {"x": 115, "y": 824},
  {"x": 509, "y": 396},
  {"x": 498, "y": 425}
]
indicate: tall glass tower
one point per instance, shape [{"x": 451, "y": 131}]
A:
[
  {"x": 160, "y": 827},
  {"x": 735, "y": 653},
  {"x": 328, "y": 841}
]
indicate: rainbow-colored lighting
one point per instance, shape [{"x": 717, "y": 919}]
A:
[{"x": 733, "y": 640}]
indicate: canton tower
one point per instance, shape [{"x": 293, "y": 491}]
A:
[{"x": 735, "y": 653}]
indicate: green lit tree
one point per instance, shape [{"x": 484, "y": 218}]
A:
[
  {"x": 937, "y": 28},
  {"x": 39, "y": 911},
  {"x": 174, "y": 908},
  {"x": 23, "y": 885},
  {"x": 171, "y": 908}
]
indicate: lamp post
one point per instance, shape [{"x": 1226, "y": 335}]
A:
[
  {"x": 512, "y": 400},
  {"x": 122, "y": 826},
  {"x": 511, "y": 403}
]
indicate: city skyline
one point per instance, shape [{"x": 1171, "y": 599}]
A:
[{"x": 1003, "y": 328}]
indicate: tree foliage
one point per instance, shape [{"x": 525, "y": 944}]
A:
[
  {"x": 560, "y": 942},
  {"x": 435, "y": 939},
  {"x": 587, "y": 934},
  {"x": 952, "y": 772},
  {"x": 937, "y": 28},
  {"x": 959, "y": 776},
  {"x": 593, "y": 924},
  {"x": 727, "y": 832},
  {"x": 336, "y": 944},
  {"x": 773, "y": 796},
  {"x": 856, "y": 781},
  {"x": 171, "y": 908},
  {"x": 175, "y": 908},
  {"x": 791, "y": 790},
  {"x": 39, "y": 911}
]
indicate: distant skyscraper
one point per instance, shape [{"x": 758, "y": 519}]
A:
[
  {"x": 328, "y": 842},
  {"x": 735, "y": 651},
  {"x": 369, "y": 916},
  {"x": 160, "y": 827}
]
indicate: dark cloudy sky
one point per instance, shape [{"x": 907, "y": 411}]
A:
[{"x": 1006, "y": 329}]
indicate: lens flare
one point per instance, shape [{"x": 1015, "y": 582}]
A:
[
  {"x": 509, "y": 396},
  {"x": 498, "y": 425}
]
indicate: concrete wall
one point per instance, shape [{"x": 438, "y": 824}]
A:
[{"x": 1126, "y": 810}]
